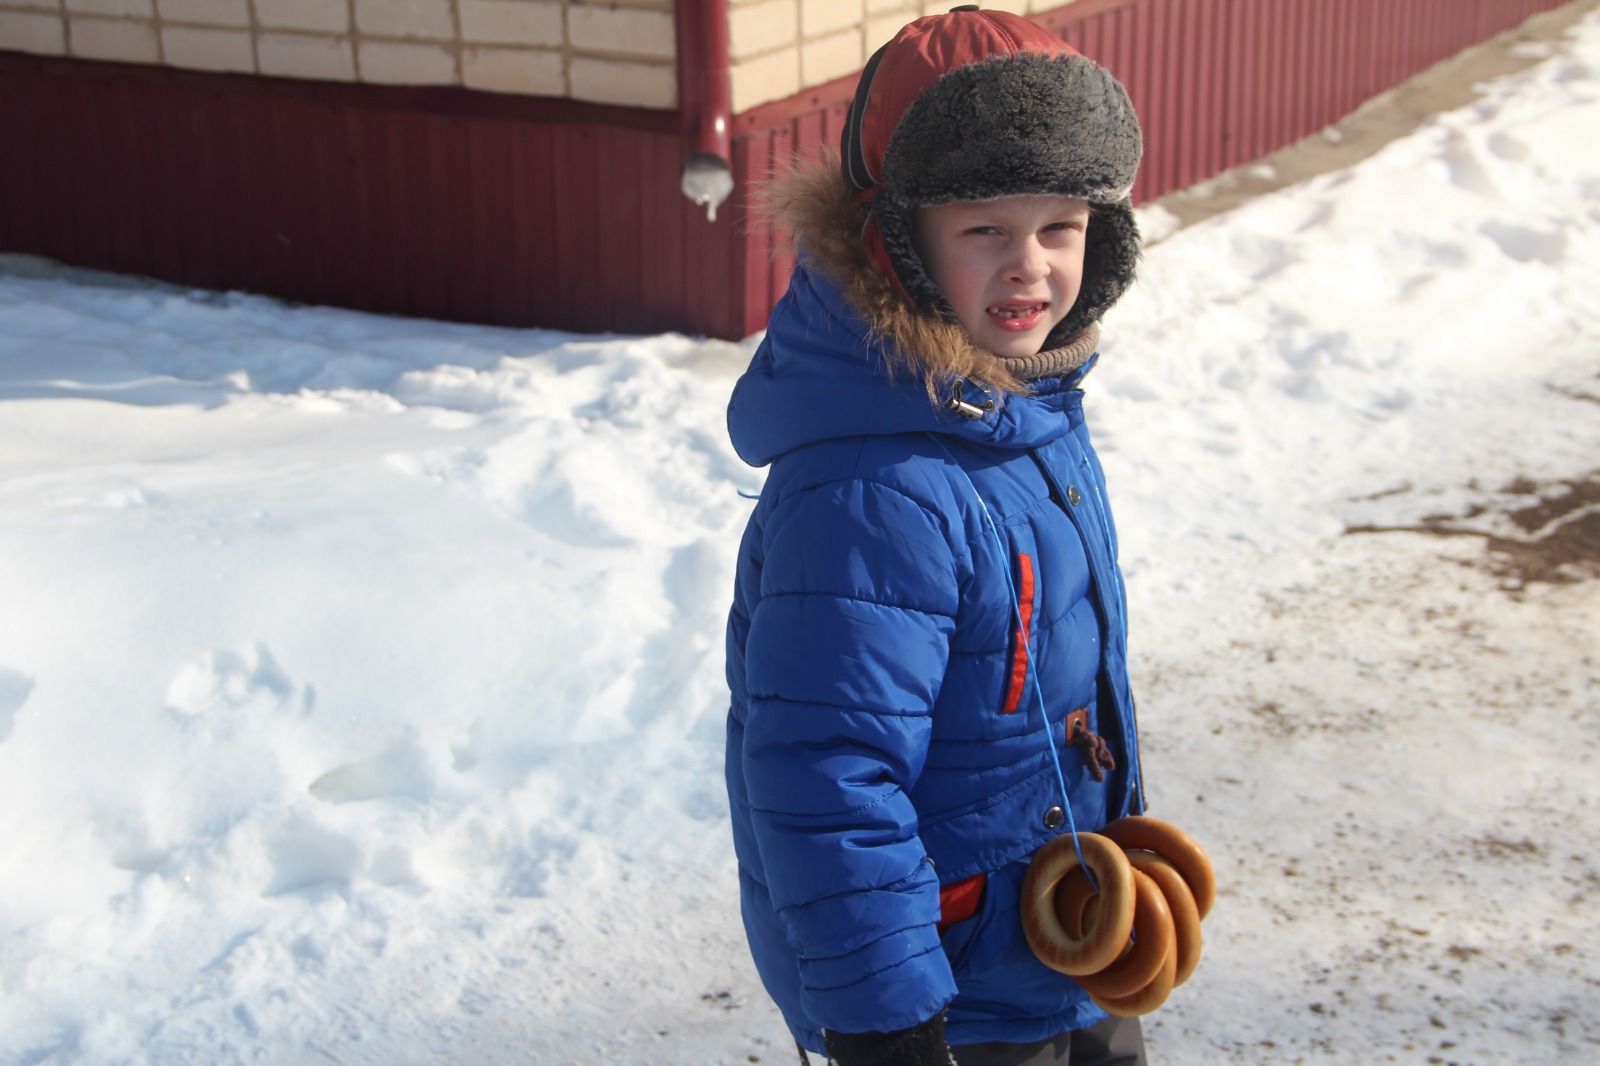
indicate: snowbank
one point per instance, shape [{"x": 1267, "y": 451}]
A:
[{"x": 360, "y": 678}]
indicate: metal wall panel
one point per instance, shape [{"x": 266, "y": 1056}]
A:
[{"x": 421, "y": 202}]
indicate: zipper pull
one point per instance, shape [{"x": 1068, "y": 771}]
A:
[{"x": 966, "y": 410}]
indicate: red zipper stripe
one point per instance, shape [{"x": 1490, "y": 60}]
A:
[{"x": 1019, "y": 654}]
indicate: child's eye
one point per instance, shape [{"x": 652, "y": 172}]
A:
[
  {"x": 983, "y": 231},
  {"x": 1057, "y": 227}
]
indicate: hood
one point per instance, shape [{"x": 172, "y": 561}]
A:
[{"x": 824, "y": 373}]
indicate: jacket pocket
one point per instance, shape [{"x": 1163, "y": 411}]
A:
[{"x": 958, "y": 934}]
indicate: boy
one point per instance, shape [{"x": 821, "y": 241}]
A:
[{"x": 927, "y": 645}]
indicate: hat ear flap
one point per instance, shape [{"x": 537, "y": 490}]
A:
[
  {"x": 1110, "y": 257},
  {"x": 878, "y": 252}
]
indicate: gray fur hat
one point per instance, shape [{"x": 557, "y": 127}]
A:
[{"x": 976, "y": 105}]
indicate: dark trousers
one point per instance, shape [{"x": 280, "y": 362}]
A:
[{"x": 1114, "y": 1042}]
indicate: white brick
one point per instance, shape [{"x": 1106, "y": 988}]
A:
[
  {"x": 43, "y": 5},
  {"x": 511, "y": 22},
  {"x": 761, "y": 28},
  {"x": 827, "y": 58},
  {"x": 513, "y": 70},
  {"x": 615, "y": 81},
  {"x": 884, "y": 27},
  {"x": 327, "y": 16},
  {"x": 631, "y": 31},
  {"x": 205, "y": 12},
  {"x": 197, "y": 49},
  {"x": 406, "y": 18},
  {"x": 136, "y": 8},
  {"x": 26, "y": 31},
  {"x": 118, "y": 39},
  {"x": 304, "y": 55},
  {"x": 878, "y": 7},
  {"x": 770, "y": 77},
  {"x": 818, "y": 17},
  {"x": 388, "y": 63}
]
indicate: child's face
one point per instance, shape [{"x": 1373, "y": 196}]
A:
[{"x": 1010, "y": 268}]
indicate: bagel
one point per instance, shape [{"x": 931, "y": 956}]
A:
[
  {"x": 1075, "y": 902},
  {"x": 1153, "y": 941},
  {"x": 1147, "y": 998},
  {"x": 1098, "y": 946},
  {"x": 1141, "y": 832},
  {"x": 1180, "y": 901}
]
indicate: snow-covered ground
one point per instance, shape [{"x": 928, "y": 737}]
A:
[{"x": 360, "y": 678}]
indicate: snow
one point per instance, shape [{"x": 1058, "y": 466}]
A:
[{"x": 360, "y": 678}]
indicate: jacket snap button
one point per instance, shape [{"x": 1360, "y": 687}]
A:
[
  {"x": 1054, "y": 817},
  {"x": 1074, "y": 497}
]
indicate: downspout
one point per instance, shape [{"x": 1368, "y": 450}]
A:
[{"x": 705, "y": 101}]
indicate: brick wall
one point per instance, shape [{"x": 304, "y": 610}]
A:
[{"x": 614, "y": 52}]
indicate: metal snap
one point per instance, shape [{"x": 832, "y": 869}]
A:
[
  {"x": 1054, "y": 817},
  {"x": 1074, "y": 497}
]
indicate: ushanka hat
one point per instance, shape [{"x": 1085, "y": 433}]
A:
[{"x": 976, "y": 105}]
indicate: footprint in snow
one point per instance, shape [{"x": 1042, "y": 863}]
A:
[
  {"x": 1466, "y": 167},
  {"x": 1527, "y": 245},
  {"x": 399, "y": 773},
  {"x": 306, "y": 855},
  {"x": 225, "y": 679},
  {"x": 15, "y": 688},
  {"x": 1504, "y": 146}
]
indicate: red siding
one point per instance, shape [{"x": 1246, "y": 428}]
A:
[
  {"x": 449, "y": 204},
  {"x": 463, "y": 205}
]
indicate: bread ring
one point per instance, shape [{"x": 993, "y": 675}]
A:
[
  {"x": 1074, "y": 899},
  {"x": 1096, "y": 948},
  {"x": 1185, "y": 915},
  {"x": 1147, "y": 998},
  {"x": 1174, "y": 845},
  {"x": 1153, "y": 941}
]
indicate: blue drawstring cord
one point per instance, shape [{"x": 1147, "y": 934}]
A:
[{"x": 1033, "y": 673}]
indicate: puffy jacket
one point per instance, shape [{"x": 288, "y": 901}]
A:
[{"x": 884, "y": 737}]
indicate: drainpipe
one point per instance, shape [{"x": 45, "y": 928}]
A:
[{"x": 705, "y": 101}]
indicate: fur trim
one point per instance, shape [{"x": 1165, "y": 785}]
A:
[
  {"x": 817, "y": 207},
  {"x": 1017, "y": 124}
]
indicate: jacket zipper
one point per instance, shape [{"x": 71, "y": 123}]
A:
[{"x": 1107, "y": 597}]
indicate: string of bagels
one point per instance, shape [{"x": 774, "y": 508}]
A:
[{"x": 1132, "y": 934}]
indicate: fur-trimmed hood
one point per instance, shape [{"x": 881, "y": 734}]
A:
[
  {"x": 817, "y": 207},
  {"x": 847, "y": 353}
]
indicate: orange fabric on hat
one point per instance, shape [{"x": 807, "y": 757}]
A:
[{"x": 925, "y": 50}]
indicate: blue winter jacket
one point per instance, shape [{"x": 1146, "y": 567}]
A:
[{"x": 884, "y": 736}]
